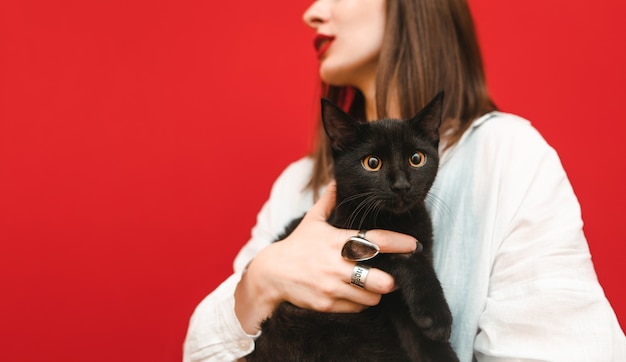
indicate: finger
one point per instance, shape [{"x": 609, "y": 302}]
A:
[
  {"x": 361, "y": 297},
  {"x": 343, "y": 297},
  {"x": 377, "y": 282},
  {"x": 343, "y": 306},
  {"x": 352, "y": 297},
  {"x": 323, "y": 207},
  {"x": 391, "y": 241}
]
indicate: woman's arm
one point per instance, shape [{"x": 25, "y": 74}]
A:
[
  {"x": 305, "y": 269},
  {"x": 214, "y": 333},
  {"x": 544, "y": 300}
]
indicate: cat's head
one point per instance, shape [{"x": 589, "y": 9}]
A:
[{"x": 391, "y": 163}]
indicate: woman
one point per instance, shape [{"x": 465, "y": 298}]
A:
[{"x": 509, "y": 247}]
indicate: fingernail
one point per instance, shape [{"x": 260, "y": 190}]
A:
[{"x": 419, "y": 248}]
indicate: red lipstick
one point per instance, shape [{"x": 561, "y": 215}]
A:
[{"x": 321, "y": 43}]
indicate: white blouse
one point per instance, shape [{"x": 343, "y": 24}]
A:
[{"x": 509, "y": 251}]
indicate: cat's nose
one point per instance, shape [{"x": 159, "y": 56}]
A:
[{"x": 401, "y": 184}]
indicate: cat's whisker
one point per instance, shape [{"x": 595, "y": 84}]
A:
[
  {"x": 372, "y": 206},
  {"x": 354, "y": 197},
  {"x": 363, "y": 205},
  {"x": 351, "y": 217},
  {"x": 435, "y": 204},
  {"x": 377, "y": 209},
  {"x": 357, "y": 211}
]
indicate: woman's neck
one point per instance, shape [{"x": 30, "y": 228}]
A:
[{"x": 371, "y": 112}]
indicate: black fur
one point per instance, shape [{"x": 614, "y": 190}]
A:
[{"x": 412, "y": 323}]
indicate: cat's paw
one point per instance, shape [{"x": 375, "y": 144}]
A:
[{"x": 436, "y": 325}]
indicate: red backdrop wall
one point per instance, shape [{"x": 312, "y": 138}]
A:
[{"x": 138, "y": 139}]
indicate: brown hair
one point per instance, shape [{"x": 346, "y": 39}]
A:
[{"x": 428, "y": 46}]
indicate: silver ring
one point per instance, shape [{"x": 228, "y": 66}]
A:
[
  {"x": 359, "y": 275},
  {"x": 358, "y": 248}
]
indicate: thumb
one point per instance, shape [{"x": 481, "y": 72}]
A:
[{"x": 322, "y": 208}]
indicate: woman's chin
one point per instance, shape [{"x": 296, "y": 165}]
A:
[
  {"x": 347, "y": 74},
  {"x": 333, "y": 75}
]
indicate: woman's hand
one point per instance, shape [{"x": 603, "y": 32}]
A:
[{"x": 307, "y": 270}]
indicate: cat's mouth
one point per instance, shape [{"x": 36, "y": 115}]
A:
[{"x": 399, "y": 205}]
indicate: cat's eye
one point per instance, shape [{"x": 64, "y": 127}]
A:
[
  {"x": 418, "y": 159},
  {"x": 372, "y": 163}
]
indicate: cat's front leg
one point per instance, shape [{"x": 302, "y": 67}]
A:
[{"x": 422, "y": 293}]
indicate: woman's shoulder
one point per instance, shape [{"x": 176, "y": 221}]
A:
[
  {"x": 295, "y": 176},
  {"x": 499, "y": 138},
  {"x": 291, "y": 190},
  {"x": 499, "y": 131},
  {"x": 304, "y": 164},
  {"x": 501, "y": 123}
]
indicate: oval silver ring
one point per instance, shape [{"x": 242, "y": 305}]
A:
[{"x": 358, "y": 248}]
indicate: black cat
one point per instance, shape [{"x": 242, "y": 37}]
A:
[{"x": 383, "y": 169}]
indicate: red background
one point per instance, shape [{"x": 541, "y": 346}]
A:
[{"x": 138, "y": 139}]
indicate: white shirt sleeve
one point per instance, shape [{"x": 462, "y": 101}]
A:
[
  {"x": 214, "y": 332},
  {"x": 544, "y": 302}
]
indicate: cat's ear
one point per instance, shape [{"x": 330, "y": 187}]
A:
[
  {"x": 429, "y": 118},
  {"x": 339, "y": 126}
]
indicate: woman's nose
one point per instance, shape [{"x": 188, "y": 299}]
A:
[{"x": 316, "y": 14}]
